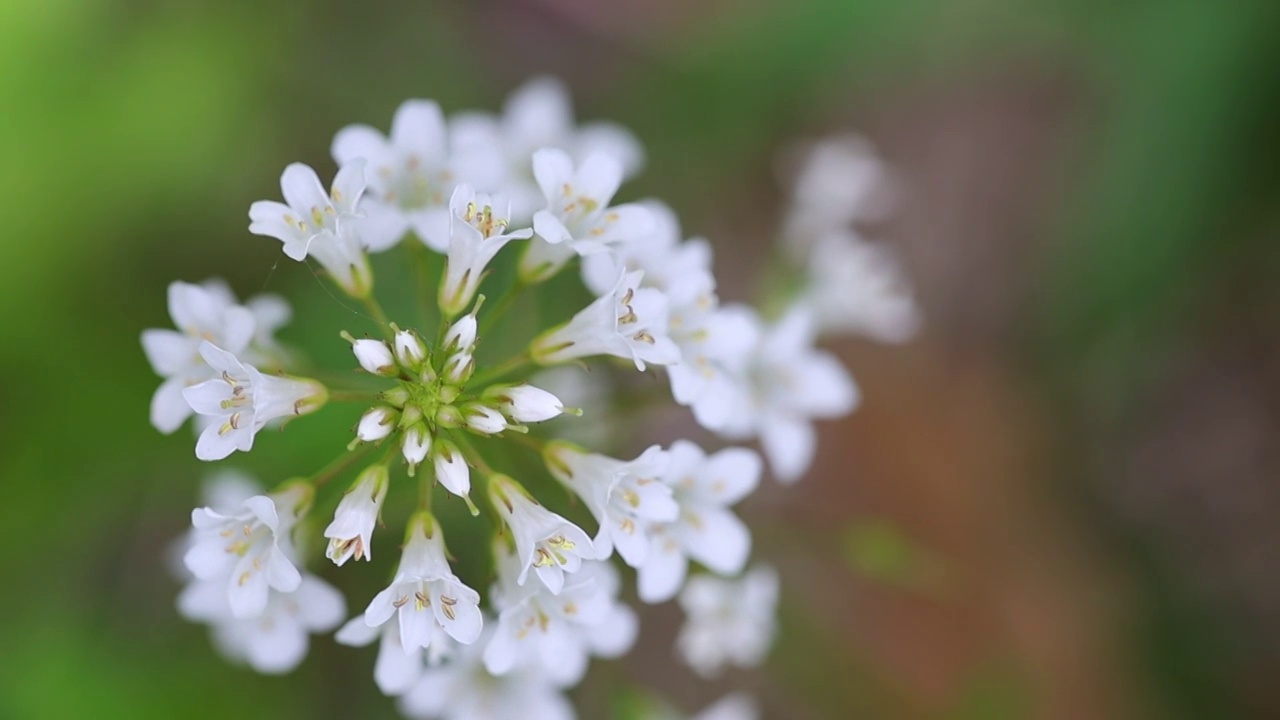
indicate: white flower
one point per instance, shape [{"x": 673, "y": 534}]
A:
[
  {"x": 410, "y": 352},
  {"x": 482, "y": 419},
  {"x": 451, "y": 468},
  {"x": 223, "y": 491},
  {"x": 461, "y": 336},
  {"x": 319, "y": 225},
  {"x": 557, "y": 632},
  {"x": 841, "y": 181},
  {"x": 275, "y": 640},
  {"x": 858, "y": 287},
  {"x": 462, "y": 689},
  {"x": 705, "y": 530},
  {"x": 375, "y": 357},
  {"x": 241, "y": 401},
  {"x": 411, "y": 174},
  {"x": 525, "y": 403},
  {"x": 577, "y": 218},
  {"x": 784, "y": 385},
  {"x": 545, "y": 542},
  {"x": 729, "y": 622},
  {"x": 200, "y": 312},
  {"x": 629, "y": 322},
  {"x": 477, "y": 231},
  {"x": 396, "y": 669},
  {"x": 537, "y": 115},
  {"x": 626, "y": 497},
  {"x": 425, "y": 593},
  {"x": 248, "y": 551},
  {"x": 376, "y": 423},
  {"x": 415, "y": 444},
  {"x": 351, "y": 532}
]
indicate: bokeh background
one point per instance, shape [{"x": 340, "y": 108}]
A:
[{"x": 1060, "y": 501}]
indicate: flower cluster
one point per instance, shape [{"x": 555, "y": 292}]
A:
[{"x": 500, "y": 204}]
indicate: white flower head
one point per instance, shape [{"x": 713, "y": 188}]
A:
[
  {"x": 275, "y": 640},
  {"x": 351, "y": 532},
  {"x": 478, "y": 230},
  {"x": 375, "y": 357},
  {"x": 451, "y": 469},
  {"x": 578, "y": 219},
  {"x": 376, "y": 423},
  {"x": 557, "y": 632},
  {"x": 410, "y": 351},
  {"x": 841, "y": 180},
  {"x": 483, "y": 419},
  {"x": 411, "y": 174},
  {"x": 241, "y": 401},
  {"x": 248, "y": 551},
  {"x": 525, "y": 403},
  {"x": 462, "y": 689},
  {"x": 425, "y": 593},
  {"x": 625, "y": 497},
  {"x": 415, "y": 444},
  {"x": 704, "y": 486},
  {"x": 312, "y": 223},
  {"x": 545, "y": 542},
  {"x": 729, "y": 622},
  {"x": 200, "y": 313},
  {"x": 629, "y": 322},
  {"x": 858, "y": 287},
  {"x": 784, "y": 385}
]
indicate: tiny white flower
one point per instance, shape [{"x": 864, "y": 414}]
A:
[
  {"x": 704, "y": 486},
  {"x": 319, "y": 225},
  {"x": 785, "y": 384},
  {"x": 199, "y": 312},
  {"x": 525, "y": 403},
  {"x": 411, "y": 174},
  {"x": 451, "y": 468},
  {"x": 415, "y": 445},
  {"x": 462, "y": 689},
  {"x": 376, "y": 424},
  {"x": 425, "y": 593},
  {"x": 545, "y": 542},
  {"x": 477, "y": 232},
  {"x": 558, "y": 632},
  {"x": 538, "y": 115},
  {"x": 241, "y": 401},
  {"x": 625, "y": 497},
  {"x": 375, "y": 357},
  {"x": 729, "y": 622},
  {"x": 461, "y": 336},
  {"x": 577, "y": 219},
  {"x": 858, "y": 287},
  {"x": 248, "y": 550},
  {"x": 410, "y": 352},
  {"x": 276, "y": 640},
  {"x": 351, "y": 532},
  {"x": 840, "y": 181},
  {"x": 629, "y": 322},
  {"x": 483, "y": 419}
]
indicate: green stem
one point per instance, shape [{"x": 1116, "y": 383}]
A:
[
  {"x": 335, "y": 468},
  {"x": 500, "y": 306},
  {"x": 353, "y": 396},
  {"x": 426, "y": 289},
  {"x": 379, "y": 315},
  {"x": 501, "y": 370}
]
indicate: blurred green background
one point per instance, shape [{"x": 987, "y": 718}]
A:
[{"x": 1060, "y": 501}]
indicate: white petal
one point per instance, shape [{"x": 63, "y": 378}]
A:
[
  {"x": 396, "y": 670},
  {"x": 302, "y": 189},
  {"x": 168, "y": 351},
  {"x": 277, "y": 649},
  {"x": 169, "y": 409},
  {"x": 357, "y": 633},
  {"x": 418, "y": 127},
  {"x": 552, "y": 168},
  {"x": 789, "y": 445},
  {"x": 718, "y": 540}
]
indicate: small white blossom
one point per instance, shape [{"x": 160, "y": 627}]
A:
[
  {"x": 451, "y": 468},
  {"x": 545, "y": 542},
  {"x": 462, "y": 689},
  {"x": 376, "y": 423},
  {"x": 477, "y": 232},
  {"x": 483, "y": 419},
  {"x": 200, "y": 312},
  {"x": 525, "y": 403},
  {"x": 461, "y": 336},
  {"x": 784, "y": 384},
  {"x": 729, "y": 622},
  {"x": 375, "y": 357},
  {"x": 415, "y": 444},
  {"x": 396, "y": 669},
  {"x": 351, "y": 532},
  {"x": 410, "y": 352},
  {"x": 241, "y": 401},
  {"x": 841, "y": 181},
  {"x": 411, "y": 174},
  {"x": 425, "y": 593},
  {"x": 248, "y": 551},
  {"x": 275, "y": 640},
  {"x": 858, "y": 287},
  {"x": 706, "y": 530},
  {"x": 557, "y": 632},
  {"x": 319, "y": 225},
  {"x": 625, "y": 496},
  {"x": 629, "y": 322},
  {"x": 539, "y": 115},
  {"x": 577, "y": 218}
]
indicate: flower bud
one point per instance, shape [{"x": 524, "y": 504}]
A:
[
  {"x": 375, "y": 357},
  {"x": 376, "y": 424},
  {"x": 459, "y": 368},
  {"x": 449, "y": 417},
  {"x": 451, "y": 468},
  {"x": 525, "y": 403},
  {"x": 410, "y": 352},
  {"x": 395, "y": 397},
  {"x": 482, "y": 419},
  {"x": 351, "y": 532},
  {"x": 415, "y": 445},
  {"x": 461, "y": 337}
]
